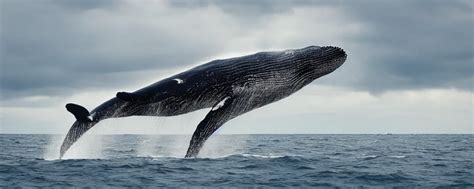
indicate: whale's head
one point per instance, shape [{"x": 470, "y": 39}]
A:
[{"x": 318, "y": 61}]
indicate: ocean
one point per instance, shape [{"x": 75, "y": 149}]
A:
[{"x": 298, "y": 161}]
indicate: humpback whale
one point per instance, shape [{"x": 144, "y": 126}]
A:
[{"x": 230, "y": 87}]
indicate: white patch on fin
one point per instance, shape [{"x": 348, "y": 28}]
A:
[
  {"x": 179, "y": 80},
  {"x": 91, "y": 117},
  {"x": 221, "y": 103}
]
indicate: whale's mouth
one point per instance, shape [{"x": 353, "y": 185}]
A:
[
  {"x": 330, "y": 58},
  {"x": 323, "y": 60},
  {"x": 325, "y": 53},
  {"x": 335, "y": 53}
]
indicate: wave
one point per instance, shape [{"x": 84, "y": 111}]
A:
[
  {"x": 368, "y": 157},
  {"x": 397, "y": 156},
  {"x": 262, "y": 156}
]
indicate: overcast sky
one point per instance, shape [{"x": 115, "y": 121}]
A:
[{"x": 409, "y": 67}]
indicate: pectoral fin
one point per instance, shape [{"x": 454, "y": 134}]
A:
[{"x": 220, "y": 113}]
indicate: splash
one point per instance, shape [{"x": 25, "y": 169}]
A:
[
  {"x": 219, "y": 146},
  {"x": 89, "y": 147},
  {"x": 51, "y": 151},
  {"x": 175, "y": 144},
  {"x": 164, "y": 146},
  {"x": 160, "y": 145},
  {"x": 171, "y": 136}
]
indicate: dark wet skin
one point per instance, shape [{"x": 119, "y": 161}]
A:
[{"x": 231, "y": 87}]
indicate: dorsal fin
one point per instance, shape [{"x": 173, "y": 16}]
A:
[
  {"x": 129, "y": 97},
  {"x": 81, "y": 113}
]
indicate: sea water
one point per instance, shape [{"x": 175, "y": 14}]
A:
[{"x": 239, "y": 161}]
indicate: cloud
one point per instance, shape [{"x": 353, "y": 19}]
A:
[
  {"x": 47, "y": 49},
  {"x": 402, "y": 45},
  {"x": 58, "y": 48},
  {"x": 416, "y": 44}
]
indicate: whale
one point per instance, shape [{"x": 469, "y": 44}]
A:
[{"x": 229, "y": 87}]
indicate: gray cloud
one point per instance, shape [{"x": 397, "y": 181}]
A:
[
  {"x": 242, "y": 9},
  {"x": 84, "y": 4},
  {"x": 62, "y": 47},
  {"x": 51, "y": 48},
  {"x": 417, "y": 44}
]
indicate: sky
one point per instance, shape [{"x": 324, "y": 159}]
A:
[{"x": 409, "y": 67}]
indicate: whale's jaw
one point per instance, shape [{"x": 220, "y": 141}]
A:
[{"x": 323, "y": 60}]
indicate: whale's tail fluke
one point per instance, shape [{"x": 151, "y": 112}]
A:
[
  {"x": 81, "y": 113},
  {"x": 84, "y": 121}
]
